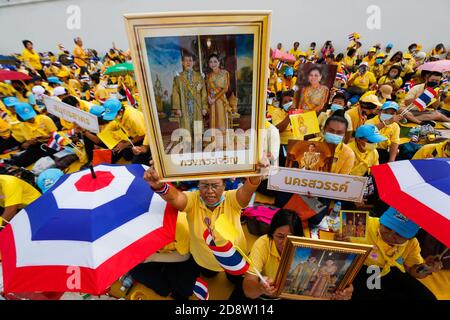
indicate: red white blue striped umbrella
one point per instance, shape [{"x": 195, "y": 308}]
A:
[
  {"x": 84, "y": 233},
  {"x": 419, "y": 189}
]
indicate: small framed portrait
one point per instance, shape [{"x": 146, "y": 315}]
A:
[
  {"x": 353, "y": 224},
  {"x": 314, "y": 82},
  {"x": 310, "y": 155},
  {"x": 313, "y": 269},
  {"x": 202, "y": 77}
]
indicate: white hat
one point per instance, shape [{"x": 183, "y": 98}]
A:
[
  {"x": 58, "y": 91},
  {"x": 421, "y": 55},
  {"x": 364, "y": 64},
  {"x": 38, "y": 90}
]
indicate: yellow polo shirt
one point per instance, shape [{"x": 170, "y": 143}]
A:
[
  {"x": 349, "y": 62},
  {"x": 132, "y": 122},
  {"x": 364, "y": 81},
  {"x": 278, "y": 115},
  {"x": 343, "y": 159},
  {"x": 265, "y": 257},
  {"x": 4, "y": 129},
  {"x": 363, "y": 160},
  {"x": 181, "y": 243},
  {"x": 43, "y": 126},
  {"x": 79, "y": 56},
  {"x": 14, "y": 191},
  {"x": 386, "y": 256},
  {"x": 397, "y": 83},
  {"x": 356, "y": 120},
  {"x": 427, "y": 151},
  {"x": 323, "y": 117},
  {"x": 33, "y": 59},
  {"x": 391, "y": 132},
  {"x": 196, "y": 212}
]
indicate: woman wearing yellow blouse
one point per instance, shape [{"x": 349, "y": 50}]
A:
[
  {"x": 350, "y": 60},
  {"x": 396, "y": 255},
  {"x": 32, "y": 59},
  {"x": 365, "y": 149},
  {"x": 266, "y": 258},
  {"x": 217, "y": 84},
  {"x": 315, "y": 95},
  {"x": 392, "y": 78}
]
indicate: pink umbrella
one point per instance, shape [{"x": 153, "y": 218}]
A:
[
  {"x": 13, "y": 75},
  {"x": 437, "y": 66}
]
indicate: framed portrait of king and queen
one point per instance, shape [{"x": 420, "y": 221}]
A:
[{"x": 202, "y": 80}]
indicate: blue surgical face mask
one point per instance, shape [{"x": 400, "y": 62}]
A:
[
  {"x": 215, "y": 204},
  {"x": 335, "y": 107},
  {"x": 333, "y": 138},
  {"x": 379, "y": 61},
  {"x": 385, "y": 116},
  {"x": 286, "y": 106}
]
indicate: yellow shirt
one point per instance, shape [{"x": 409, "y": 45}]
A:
[
  {"x": 43, "y": 126},
  {"x": 278, "y": 115},
  {"x": 4, "y": 129},
  {"x": 395, "y": 83},
  {"x": 386, "y": 256},
  {"x": 295, "y": 53},
  {"x": 14, "y": 191},
  {"x": 369, "y": 61},
  {"x": 323, "y": 117},
  {"x": 364, "y": 81},
  {"x": 343, "y": 159},
  {"x": 101, "y": 94},
  {"x": 32, "y": 58},
  {"x": 132, "y": 122},
  {"x": 391, "y": 132},
  {"x": 79, "y": 56},
  {"x": 349, "y": 62},
  {"x": 312, "y": 54},
  {"x": 363, "y": 160},
  {"x": 181, "y": 243},
  {"x": 356, "y": 120},
  {"x": 434, "y": 150},
  {"x": 265, "y": 257},
  {"x": 196, "y": 212}
]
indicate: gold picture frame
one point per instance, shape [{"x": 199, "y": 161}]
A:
[
  {"x": 221, "y": 109},
  {"x": 323, "y": 266},
  {"x": 358, "y": 228}
]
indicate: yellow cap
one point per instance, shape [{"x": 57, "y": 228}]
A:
[
  {"x": 407, "y": 56},
  {"x": 371, "y": 98},
  {"x": 381, "y": 55},
  {"x": 302, "y": 53},
  {"x": 372, "y": 49}
]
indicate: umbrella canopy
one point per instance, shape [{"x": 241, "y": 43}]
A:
[
  {"x": 120, "y": 69},
  {"x": 437, "y": 66},
  {"x": 419, "y": 189},
  {"x": 85, "y": 232},
  {"x": 13, "y": 75},
  {"x": 7, "y": 59}
]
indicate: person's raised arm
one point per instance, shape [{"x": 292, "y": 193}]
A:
[
  {"x": 172, "y": 195},
  {"x": 244, "y": 194}
]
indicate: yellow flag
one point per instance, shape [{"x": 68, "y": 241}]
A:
[
  {"x": 225, "y": 228},
  {"x": 112, "y": 138},
  {"x": 304, "y": 124}
]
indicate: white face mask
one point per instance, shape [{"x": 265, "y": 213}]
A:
[
  {"x": 370, "y": 146},
  {"x": 269, "y": 101},
  {"x": 385, "y": 116}
]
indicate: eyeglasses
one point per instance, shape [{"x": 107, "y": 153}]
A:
[{"x": 214, "y": 187}]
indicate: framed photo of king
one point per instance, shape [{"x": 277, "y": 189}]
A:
[{"x": 202, "y": 80}]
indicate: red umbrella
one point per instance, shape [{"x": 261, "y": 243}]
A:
[{"x": 13, "y": 75}]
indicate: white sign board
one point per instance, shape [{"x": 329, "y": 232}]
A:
[
  {"x": 318, "y": 184},
  {"x": 69, "y": 113}
]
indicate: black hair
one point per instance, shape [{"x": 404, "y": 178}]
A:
[
  {"x": 95, "y": 77},
  {"x": 351, "y": 52},
  {"x": 25, "y": 42},
  {"x": 399, "y": 69},
  {"x": 340, "y": 56},
  {"x": 285, "y": 217},
  {"x": 435, "y": 73},
  {"x": 396, "y": 54},
  {"x": 315, "y": 68},
  {"x": 187, "y": 54},
  {"x": 367, "y": 105},
  {"x": 282, "y": 94},
  {"x": 439, "y": 46},
  {"x": 71, "y": 100},
  {"x": 331, "y": 55},
  {"x": 213, "y": 56},
  {"x": 337, "y": 116},
  {"x": 340, "y": 95},
  {"x": 313, "y": 44},
  {"x": 359, "y": 43},
  {"x": 412, "y": 45},
  {"x": 271, "y": 95},
  {"x": 297, "y": 43}
]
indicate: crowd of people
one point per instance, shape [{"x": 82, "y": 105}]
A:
[{"x": 362, "y": 116}]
